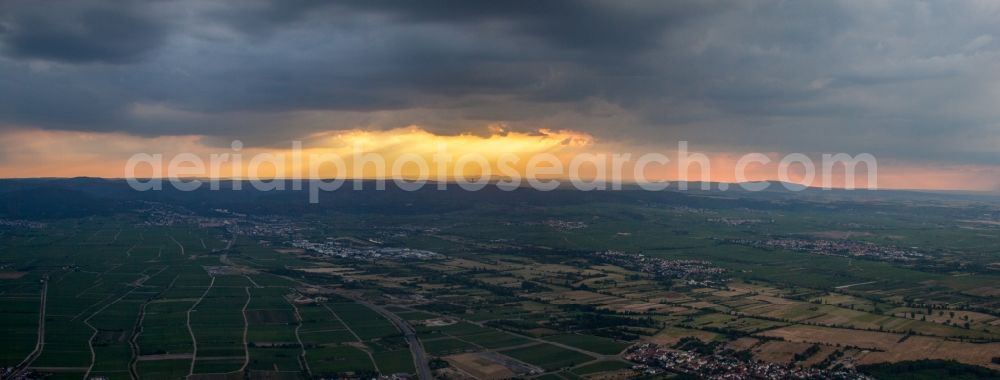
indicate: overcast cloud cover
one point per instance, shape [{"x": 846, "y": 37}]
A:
[{"x": 904, "y": 80}]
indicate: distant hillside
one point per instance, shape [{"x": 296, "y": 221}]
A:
[
  {"x": 52, "y": 203},
  {"x": 76, "y": 197}
]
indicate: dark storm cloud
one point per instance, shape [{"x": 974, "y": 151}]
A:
[
  {"x": 772, "y": 75},
  {"x": 598, "y": 27},
  {"x": 79, "y": 32}
]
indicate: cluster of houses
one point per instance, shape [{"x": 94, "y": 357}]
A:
[
  {"x": 735, "y": 222},
  {"x": 655, "y": 359},
  {"x": 564, "y": 225},
  {"x": 337, "y": 249},
  {"x": 17, "y": 223},
  {"x": 695, "y": 271},
  {"x": 158, "y": 214},
  {"x": 849, "y": 248}
]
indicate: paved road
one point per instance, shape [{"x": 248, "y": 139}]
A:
[
  {"x": 416, "y": 348},
  {"x": 40, "y": 344}
]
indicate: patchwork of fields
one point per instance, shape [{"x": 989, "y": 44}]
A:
[
  {"x": 159, "y": 303},
  {"x": 123, "y": 298}
]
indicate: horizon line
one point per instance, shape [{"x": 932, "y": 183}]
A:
[{"x": 451, "y": 180}]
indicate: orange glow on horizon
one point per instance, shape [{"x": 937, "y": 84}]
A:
[{"x": 33, "y": 153}]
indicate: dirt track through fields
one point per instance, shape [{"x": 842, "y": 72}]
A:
[{"x": 194, "y": 340}]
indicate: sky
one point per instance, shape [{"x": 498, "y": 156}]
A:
[{"x": 86, "y": 84}]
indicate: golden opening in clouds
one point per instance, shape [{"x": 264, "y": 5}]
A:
[{"x": 40, "y": 153}]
